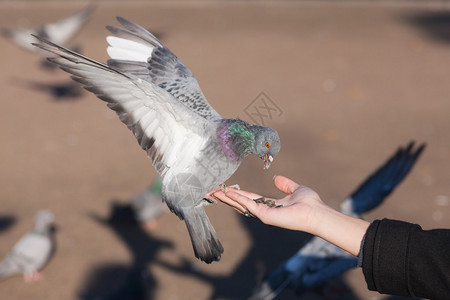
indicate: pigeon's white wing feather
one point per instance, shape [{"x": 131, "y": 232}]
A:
[
  {"x": 136, "y": 51},
  {"x": 165, "y": 128},
  {"x": 62, "y": 31}
]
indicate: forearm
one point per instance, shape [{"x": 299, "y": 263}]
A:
[{"x": 344, "y": 231}]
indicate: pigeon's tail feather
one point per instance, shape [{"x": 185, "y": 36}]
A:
[
  {"x": 8, "y": 268},
  {"x": 207, "y": 246}
]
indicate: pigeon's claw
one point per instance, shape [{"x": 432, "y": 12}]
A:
[
  {"x": 235, "y": 186},
  {"x": 221, "y": 187}
]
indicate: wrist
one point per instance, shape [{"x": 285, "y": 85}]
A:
[
  {"x": 342, "y": 230},
  {"x": 319, "y": 212}
]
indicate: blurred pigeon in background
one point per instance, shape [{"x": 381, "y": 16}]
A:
[
  {"x": 148, "y": 205},
  {"x": 60, "y": 32},
  {"x": 192, "y": 147},
  {"x": 32, "y": 251},
  {"x": 144, "y": 208},
  {"x": 319, "y": 261}
]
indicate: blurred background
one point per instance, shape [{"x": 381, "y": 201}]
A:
[{"x": 343, "y": 82}]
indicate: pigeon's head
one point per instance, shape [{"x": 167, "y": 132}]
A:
[
  {"x": 267, "y": 144},
  {"x": 43, "y": 221}
]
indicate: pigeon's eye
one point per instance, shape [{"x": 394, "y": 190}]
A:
[{"x": 267, "y": 145}]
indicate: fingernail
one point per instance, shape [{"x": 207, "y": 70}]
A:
[{"x": 273, "y": 179}]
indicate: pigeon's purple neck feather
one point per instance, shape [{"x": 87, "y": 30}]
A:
[{"x": 236, "y": 138}]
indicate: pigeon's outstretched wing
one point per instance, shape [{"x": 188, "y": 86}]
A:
[
  {"x": 59, "y": 32},
  {"x": 383, "y": 181},
  {"x": 166, "y": 129},
  {"x": 136, "y": 51}
]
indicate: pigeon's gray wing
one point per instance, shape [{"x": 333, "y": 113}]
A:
[
  {"x": 166, "y": 129},
  {"x": 136, "y": 51},
  {"x": 62, "y": 31}
]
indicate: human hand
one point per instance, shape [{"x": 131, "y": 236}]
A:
[
  {"x": 301, "y": 209},
  {"x": 295, "y": 211}
]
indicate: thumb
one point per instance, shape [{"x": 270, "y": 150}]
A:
[{"x": 285, "y": 184}]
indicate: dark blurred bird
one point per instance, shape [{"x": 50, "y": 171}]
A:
[
  {"x": 6, "y": 222},
  {"x": 32, "y": 251},
  {"x": 319, "y": 261},
  {"x": 59, "y": 91},
  {"x": 192, "y": 147}
]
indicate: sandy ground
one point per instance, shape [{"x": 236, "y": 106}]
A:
[{"x": 350, "y": 83}]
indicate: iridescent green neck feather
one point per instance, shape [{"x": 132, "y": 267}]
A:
[{"x": 236, "y": 138}]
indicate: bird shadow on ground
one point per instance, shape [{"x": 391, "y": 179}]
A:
[
  {"x": 6, "y": 222},
  {"x": 59, "y": 91},
  {"x": 434, "y": 24},
  {"x": 129, "y": 281},
  {"x": 269, "y": 247}
]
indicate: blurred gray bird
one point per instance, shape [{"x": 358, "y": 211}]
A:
[
  {"x": 191, "y": 146},
  {"x": 319, "y": 261},
  {"x": 60, "y": 32},
  {"x": 148, "y": 205},
  {"x": 32, "y": 252}
]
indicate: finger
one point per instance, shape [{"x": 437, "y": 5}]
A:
[
  {"x": 225, "y": 199},
  {"x": 244, "y": 193},
  {"x": 256, "y": 210},
  {"x": 245, "y": 202},
  {"x": 285, "y": 184}
]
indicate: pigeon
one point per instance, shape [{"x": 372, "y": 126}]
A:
[
  {"x": 60, "y": 32},
  {"x": 319, "y": 261},
  {"x": 32, "y": 252},
  {"x": 144, "y": 208},
  {"x": 148, "y": 205},
  {"x": 192, "y": 147}
]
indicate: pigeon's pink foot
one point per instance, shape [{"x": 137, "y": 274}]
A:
[
  {"x": 210, "y": 196},
  {"x": 32, "y": 277}
]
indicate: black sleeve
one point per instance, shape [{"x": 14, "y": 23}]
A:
[{"x": 401, "y": 259}]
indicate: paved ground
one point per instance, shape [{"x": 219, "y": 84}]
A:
[{"x": 350, "y": 83}]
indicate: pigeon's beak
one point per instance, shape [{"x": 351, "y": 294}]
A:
[{"x": 267, "y": 160}]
